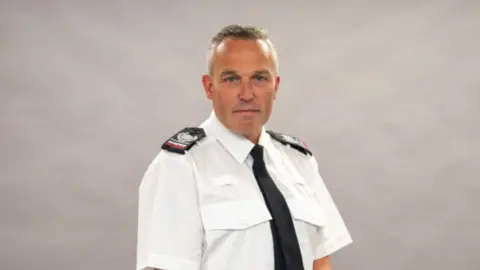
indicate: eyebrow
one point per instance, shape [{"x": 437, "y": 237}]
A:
[
  {"x": 228, "y": 72},
  {"x": 262, "y": 72},
  {"x": 231, "y": 72}
]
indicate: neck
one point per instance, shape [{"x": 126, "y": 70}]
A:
[{"x": 254, "y": 138}]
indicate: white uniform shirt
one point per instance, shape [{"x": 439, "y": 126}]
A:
[{"x": 203, "y": 210}]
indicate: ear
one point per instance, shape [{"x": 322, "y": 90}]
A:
[
  {"x": 207, "y": 82},
  {"x": 277, "y": 83}
]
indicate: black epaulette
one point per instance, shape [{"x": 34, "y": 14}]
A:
[
  {"x": 183, "y": 140},
  {"x": 290, "y": 140}
]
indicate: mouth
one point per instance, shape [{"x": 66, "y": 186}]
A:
[{"x": 247, "y": 111}]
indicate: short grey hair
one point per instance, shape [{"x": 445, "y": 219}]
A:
[{"x": 237, "y": 31}]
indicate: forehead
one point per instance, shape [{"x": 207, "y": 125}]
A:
[{"x": 240, "y": 54}]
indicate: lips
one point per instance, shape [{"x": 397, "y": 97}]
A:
[{"x": 246, "y": 111}]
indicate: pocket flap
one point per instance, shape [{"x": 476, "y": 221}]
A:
[
  {"x": 234, "y": 215},
  {"x": 307, "y": 211}
]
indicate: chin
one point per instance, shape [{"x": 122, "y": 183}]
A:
[
  {"x": 246, "y": 124},
  {"x": 248, "y": 130}
]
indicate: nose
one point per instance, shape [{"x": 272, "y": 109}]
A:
[{"x": 246, "y": 92}]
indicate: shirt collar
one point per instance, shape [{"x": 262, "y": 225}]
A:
[{"x": 238, "y": 146}]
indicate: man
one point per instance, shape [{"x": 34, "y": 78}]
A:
[{"x": 231, "y": 194}]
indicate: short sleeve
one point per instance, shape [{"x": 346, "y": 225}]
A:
[
  {"x": 334, "y": 233},
  {"x": 170, "y": 232}
]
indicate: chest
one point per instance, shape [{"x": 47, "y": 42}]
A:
[
  {"x": 234, "y": 213},
  {"x": 221, "y": 178},
  {"x": 229, "y": 196}
]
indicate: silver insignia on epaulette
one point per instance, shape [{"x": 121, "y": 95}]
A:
[{"x": 184, "y": 137}]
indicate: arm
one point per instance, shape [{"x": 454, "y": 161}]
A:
[
  {"x": 170, "y": 231},
  {"x": 322, "y": 264},
  {"x": 333, "y": 235}
]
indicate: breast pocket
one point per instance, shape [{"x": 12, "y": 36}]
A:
[
  {"x": 309, "y": 221},
  {"x": 236, "y": 234}
]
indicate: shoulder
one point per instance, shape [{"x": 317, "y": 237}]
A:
[
  {"x": 184, "y": 140},
  {"x": 172, "y": 161},
  {"x": 290, "y": 141}
]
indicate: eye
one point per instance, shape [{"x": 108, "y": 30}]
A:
[
  {"x": 260, "y": 78},
  {"x": 231, "y": 79}
]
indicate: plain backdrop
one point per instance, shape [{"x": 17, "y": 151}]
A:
[{"x": 385, "y": 93}]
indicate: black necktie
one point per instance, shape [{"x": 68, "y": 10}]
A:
[{"x": 286, "y": 247}]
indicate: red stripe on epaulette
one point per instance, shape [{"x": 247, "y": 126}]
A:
[
  {"x": 176, "y": 145},
  {"x": 183, "y": 140}
]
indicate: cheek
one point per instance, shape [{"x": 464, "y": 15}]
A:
[
  {"x": 225, "y": 98},
  {"x": 265, "y": 94},
  {"x": 267, "y": 100}
]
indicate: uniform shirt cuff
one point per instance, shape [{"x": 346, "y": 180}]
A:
[
  {"x": 333, "y": 245},
  {"x": 155, "y": 261}
]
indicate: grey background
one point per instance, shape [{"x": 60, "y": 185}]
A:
[{"x": 385, "y": 93}]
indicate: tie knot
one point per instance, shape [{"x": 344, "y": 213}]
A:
[{"x": 257, "y": 152}]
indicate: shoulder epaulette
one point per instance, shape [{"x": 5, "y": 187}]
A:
[
  {"x": 294, "y": 142},
  {"x": 183, "y": 140}
]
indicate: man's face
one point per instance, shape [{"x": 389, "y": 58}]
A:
[{"x": 243, "y": 85}]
